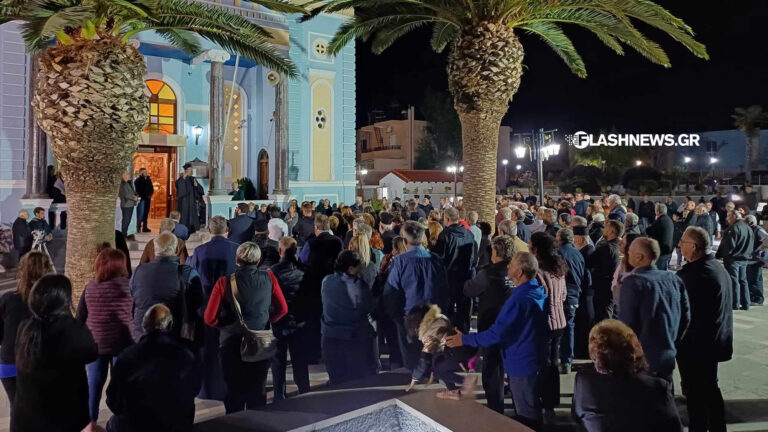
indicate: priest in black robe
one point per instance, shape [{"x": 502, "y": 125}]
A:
[{"x": 186, "y": 191}]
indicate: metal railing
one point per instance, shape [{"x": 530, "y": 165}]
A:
[{"x": 249, "y": 12}]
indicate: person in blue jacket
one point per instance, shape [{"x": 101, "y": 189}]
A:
[{"x": 521, "y": 332}]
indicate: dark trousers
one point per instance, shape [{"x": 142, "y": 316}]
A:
[
  {"x": 127, "y": 215},
  {"x": 583, "y": 322},
  {"x": 9, "y": 384},
  {"x": 737, "y": 270},
  {"x": 387, "y": 336},
  {"x": 603, "y": 306},
  {"x": 566, "y": 341},
  {"x": 460, "y": 307},
  {"x": 550, "y": 375},
  {"x": 347, "y": 360},
  {"x": 493, "y": 379},
  {"x": 525, "y": 395},
  {"x": 296, "y": 343},
  {"x": 97, "y": 376},
  {"x": 663, "y": 262},
  {"x": 446, "y": 365},
  {"x": 142, "y": 212},
  {"x": 755, "y": 282},
  {"x": 246, "y": 381},
  {"x": 706, "y": 410},
  {"x": 408, "y": 350}
]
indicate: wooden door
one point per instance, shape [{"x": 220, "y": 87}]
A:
[
  {"x": 263, "y": 175},
  {"x": 160, "y": 163}
]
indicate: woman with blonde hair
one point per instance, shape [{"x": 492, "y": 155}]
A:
[
  {"x": 369, "y": 259},
  {"x": 13, "y": 310},
  {"x": 434, "y": 229},
  {"x": 618, "y": 394}
]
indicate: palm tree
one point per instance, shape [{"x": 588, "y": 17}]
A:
[
  {"x": 485, "y": 62},
  {"x": 89, "y": 92},
  {"x": 749, "y": 120}
]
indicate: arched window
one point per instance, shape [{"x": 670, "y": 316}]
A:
[{"x": 162, "y": 108}]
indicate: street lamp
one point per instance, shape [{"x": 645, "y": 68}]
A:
[
  {"x": 638, "y": 163},
  {"x": 520, "y": 152},
  {"x": 455, "y": 170},
  {"x": 687, "y": 160},
  {"x": 506, "y": 176},
  {"x": 713, "y": 160},
  {"x": 197, "y": 131},
  {"x": 363, "y": 172},
  {"x": 517, "y": 167}
]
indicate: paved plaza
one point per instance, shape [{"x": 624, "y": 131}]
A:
[{"x": 743, "y": 380}]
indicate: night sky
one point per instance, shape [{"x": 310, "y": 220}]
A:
[{"x": 626, "y": 92}]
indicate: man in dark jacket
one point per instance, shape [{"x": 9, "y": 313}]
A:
[
  {"x": 154, "y": 382},
  {"x": 581, "y": 205},
  {"x": 646, "y": 211},
  {"x": 736, "y": 250},
  {"x": 318, "y": 256},
  {"x": 22, "y": 235},
  {"x": 456, "y": 246},
  {"x": 655, "y": 305},
  {"x": 164, "y": 280},
  {"x": 186, "y": 193},
  {"x": 618, "y": 212},
  {"x": 709, "y": 338},
  {"x": 662, "y": 230},
  {"x": 603, "y": 262},
  {"x": 291, "y": 329},
  {"x": 305, "y": 227},
  {"x": 386, "y": 230},
  {"x": 213, "y": 260},
  {"x": 523, "y": 232},
  {"x": 416, "y": 277},
  {"x": 576, "y": 279},
  {"x": 550, "y": 222},
  {"x": 426, "y": 206},
  {"x": 144, "y": 189},
  {"x": 242, "y": 226},
  {"x": 493, "y": 287}
]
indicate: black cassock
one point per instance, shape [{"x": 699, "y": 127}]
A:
[{"x": 187, "y": 203}]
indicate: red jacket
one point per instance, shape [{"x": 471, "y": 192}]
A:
[{"x": 277, "y": 310}]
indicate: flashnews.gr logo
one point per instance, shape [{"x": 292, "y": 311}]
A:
[{"x": 582, "y": 140}]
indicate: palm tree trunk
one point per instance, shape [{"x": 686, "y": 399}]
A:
[
  {"x": 480, "y": 135},
  {"x": 752, "y": 145},
  {"x": 90, "y": 223}
]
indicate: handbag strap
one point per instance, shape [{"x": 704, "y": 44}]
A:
[{"x": 239, "y": 312}]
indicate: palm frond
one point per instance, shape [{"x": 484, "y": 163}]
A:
[
  {"x": 185, "y": 40},
  {"x": 553, "y": 35},
  {"x": 281, "y": 6},
  {"x": 385, "y": 38},
  {"x": 443, "y": 33}
]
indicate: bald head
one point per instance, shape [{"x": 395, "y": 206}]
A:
[{"x": 644, "y": 252}]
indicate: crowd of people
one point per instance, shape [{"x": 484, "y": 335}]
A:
[{"x": 367, "y": 289}]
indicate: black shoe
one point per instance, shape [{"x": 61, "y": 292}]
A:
[
  {"x": 146, "y": 230},
  {"x": 565, "y": 369}
]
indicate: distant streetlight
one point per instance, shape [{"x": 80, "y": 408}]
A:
[
  {"x": 687, "y": 159},
  {"x": 713, "y": 160},
  {"x": 638, "y": 163},
  {"x": 455, "y": 171},
  {"x": 363, "y": 172},
  {"x": 506, "y": 176},
  {"x": 504, "y": 162},
  {"x": 518, "y": 167},
  {"x": 520, "y": 152}
]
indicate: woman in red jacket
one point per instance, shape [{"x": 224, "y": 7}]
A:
[
  {"x": 552, "y": 271},
  {"x": 106, "y": 308},
  {"x": 261, "y": 301}
]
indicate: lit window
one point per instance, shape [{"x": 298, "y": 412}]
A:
[{"x": 162, "y": 108}]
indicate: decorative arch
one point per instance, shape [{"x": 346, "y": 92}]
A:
[
  {"x": 163, "y": 108},
  {"x": 263, "y": 187}
]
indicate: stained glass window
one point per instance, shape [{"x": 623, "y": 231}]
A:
[{"x": 162, "y": 108}]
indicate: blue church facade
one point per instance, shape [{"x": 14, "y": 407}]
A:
[{"x": 320, "y": 114}]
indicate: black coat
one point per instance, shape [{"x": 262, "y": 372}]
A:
[
  {"x": 493, "y": 287},
  {"x": 602, "y": 263},
  {"x": 578, "y": 277},
  {"x": 387, "y": 237},
  {"x": 704, "y": 221},
  {"x": 596, "y": 231},
  {"x": 54, "y": 396},
  {"x": 456, "y": 246},
  {"x": 737, "y": 243},
  {"x": 22, "y": 236},
  {"x": 608, "y": 403},
  {"x": 153, "y": 386},
  {"x": 241, "y": 229},
  {"x": 187, "y": 204},
  {"x": 323, "y": 251},
  {"x": 289, "y": 274},
  {"x": 710, "y": 332},
  {"x": 144, "y": 187},
  {"x": 663, "y": 230},
  {"x": 647, "y": 209},
  {"x": 304, "y": 229}
]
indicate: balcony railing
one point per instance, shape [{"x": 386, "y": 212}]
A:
[{"x": 249, "y": 12}]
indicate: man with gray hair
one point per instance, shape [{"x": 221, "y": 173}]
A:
[
  {"x": 709, "y": 338},
  {"x": 618, "y": 212},
  {"x": 139, "y": 400},
  {"x": 416, "y": 277},
  {"x": 472, "y": 221},
  {"x": 577, "y": 279},
  {"x": 509, "y": 228},
  {"x": 631, "y": 224},
  {"x": 212, "y": 260},
  {"x": 757, "y": 262},
  {"x": 22, "y": 234},
  {"x": 165, "y": 280},
  {"x": 735, "y": 250},
  {"x": 456, "y": 246},
  {"x": 521, "y": 333},
  {"x": 654, "y": 303},
  {"x": 166, "y": 225},
  {"x": 662, "y": 230},
  {"x": 518, "y": 217}
]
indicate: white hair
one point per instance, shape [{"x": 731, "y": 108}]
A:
[
  {"x": 248, "y": 253},
  {"x": 165, "y": 244},
  {"x": 598, "y": 217}
]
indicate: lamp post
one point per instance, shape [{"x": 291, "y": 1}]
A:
[
  {"x": 638, "y": 163},
  {"x": 455, "y": 169},
  {"x": 505, "y": 162},
  {"x": 540, "y": 150},
  {"x": 686, "y": 161},
  {"x": 197, "y": 131},
  {"x": 712, "y": 161}
]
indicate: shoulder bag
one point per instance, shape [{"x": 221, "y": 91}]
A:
[{"x": 256, "y": 345}]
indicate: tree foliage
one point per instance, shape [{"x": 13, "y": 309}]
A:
[{"x": 442, "y": 144}]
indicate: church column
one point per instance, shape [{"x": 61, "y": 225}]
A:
[
  {"x": 281, "y": 138},
  {"x": 37, "y": 150},
  {"x": 217, "y": 114}
]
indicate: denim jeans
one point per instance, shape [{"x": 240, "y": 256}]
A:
[
  {"x": 296, "y": 343},
  {"x": 525, "y": 395},
  {"x": 737, "y": 270},
  {"x": 97, "y": 376},
  {"x": 755, "y": 282},
  {"x": 142, "y": 213},
  {"x": 566, "y": 341},
  {"x": 127, "y": 215}
]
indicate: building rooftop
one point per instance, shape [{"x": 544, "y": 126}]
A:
[{"x": 426, "y": 176}]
